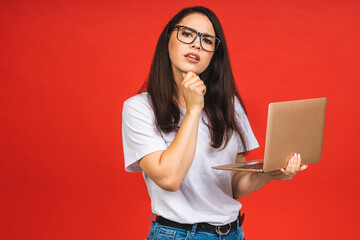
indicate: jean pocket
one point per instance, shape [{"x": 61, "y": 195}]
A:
[{"x": 166, "y": 234}]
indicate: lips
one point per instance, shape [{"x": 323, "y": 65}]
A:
[{"x": 192, "y": 57}]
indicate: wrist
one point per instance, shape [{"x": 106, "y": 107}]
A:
[
  {"x": 194, "y": 111},
  {"x": 263, "y": 177}
]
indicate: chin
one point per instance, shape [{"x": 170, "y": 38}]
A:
[{"x": 197, "y": 71}]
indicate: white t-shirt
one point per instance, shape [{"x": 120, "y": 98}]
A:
[{"x": 205, "y": 195}]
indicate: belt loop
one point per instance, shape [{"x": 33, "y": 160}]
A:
[
  {"x": 239, "y": 221},
  {"x": 193, "y": 229},
  {"x": 151, "y": 218}
]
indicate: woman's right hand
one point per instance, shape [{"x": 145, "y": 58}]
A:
[
  {"x": 292, "y": 168},
  {"x": 193, "y": 90}
]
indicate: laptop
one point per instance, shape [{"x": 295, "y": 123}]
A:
[{"x": 292, "y": 127}]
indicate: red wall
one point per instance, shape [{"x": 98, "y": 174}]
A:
[{"x": 67, "y": 66}]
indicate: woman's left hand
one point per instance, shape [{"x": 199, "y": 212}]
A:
[{"x": 294, "y": 166}]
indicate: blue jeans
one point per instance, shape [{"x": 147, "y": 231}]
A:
[{"x": 161, "y": 232}]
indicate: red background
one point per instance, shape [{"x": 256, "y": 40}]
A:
[{"x": 67, "y": 66}]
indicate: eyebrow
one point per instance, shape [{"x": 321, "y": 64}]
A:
[{"x": 198, "y": 30}]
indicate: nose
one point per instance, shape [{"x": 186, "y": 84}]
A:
[{"x": 196, "y": 44}]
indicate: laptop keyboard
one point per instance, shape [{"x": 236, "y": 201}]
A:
[{"x": 252, "y": 166}]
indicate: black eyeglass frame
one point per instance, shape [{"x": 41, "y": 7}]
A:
[{"x": 197, "y": 34}]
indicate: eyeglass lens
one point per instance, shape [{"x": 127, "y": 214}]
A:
[{"x": 187, "y": 35}]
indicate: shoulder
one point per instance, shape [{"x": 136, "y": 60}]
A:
[
  {"x": 239, "y": 109},
  {"x": 138, "y": 99},
  {"x": 139, "y": 103}
]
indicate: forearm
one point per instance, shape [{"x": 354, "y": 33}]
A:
[
  {"x": 168, "y": 168},
  {"x": 244, "y": 183}
]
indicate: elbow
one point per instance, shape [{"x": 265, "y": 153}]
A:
[
  {"x": 237, "y": 196},
  {"x": 171, "y": 188},
  {"x": 169, "y": 184},
  {"x": 238, "y": 192}
]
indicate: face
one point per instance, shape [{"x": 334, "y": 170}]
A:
[{"x": 182, "y": 55}]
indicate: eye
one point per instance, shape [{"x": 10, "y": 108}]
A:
[
  {"x": 186, "y": 33},
  {"x": 208, "y": 40}
]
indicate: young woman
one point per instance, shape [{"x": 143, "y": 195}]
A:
[{"x": 189, "y": 117}]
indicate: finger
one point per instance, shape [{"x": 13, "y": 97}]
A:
[
  {"x": 289, "y": 166},
  {"x": 196, "y": 84},
  {"x": 188, "y": 81},
  {"x": 303, "y": 167},
  {"x": 199, "y": 87},
  {"x": 292, "y": 164},
  {"x": 202, "y": 90},
  {"x": 188, "y": 75},
  {"x": 298, "y": 163},
  {"x": 295, "y": 164}
]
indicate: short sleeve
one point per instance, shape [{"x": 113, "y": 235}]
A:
[
  {"x": 251, "y": 142},
  {"x": 139, "y": 133}
]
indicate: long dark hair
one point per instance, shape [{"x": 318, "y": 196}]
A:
[{"x": 218, "y": 78}]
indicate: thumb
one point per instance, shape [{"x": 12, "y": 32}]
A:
[
  {"x": 183, "y": 74},
  {"x": 303, "y": 167}
]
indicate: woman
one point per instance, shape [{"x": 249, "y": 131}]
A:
[{"x": 190, "y": 118}]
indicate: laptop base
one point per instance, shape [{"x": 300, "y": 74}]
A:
[{"x": 252, "y": 166}]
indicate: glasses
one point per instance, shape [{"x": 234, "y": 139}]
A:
[{"x": 188, "y": 35}]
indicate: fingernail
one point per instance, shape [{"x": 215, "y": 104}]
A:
[{"x": 299, "y": 155}]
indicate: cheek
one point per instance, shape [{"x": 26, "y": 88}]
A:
[
  {"x": 207, "y": 61},
  {"x": 173, "y": 49}
]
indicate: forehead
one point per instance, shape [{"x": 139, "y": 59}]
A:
[{"x": 199, "y": 22}]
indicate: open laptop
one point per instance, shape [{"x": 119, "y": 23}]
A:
[{"x": 292, "y": 127}]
